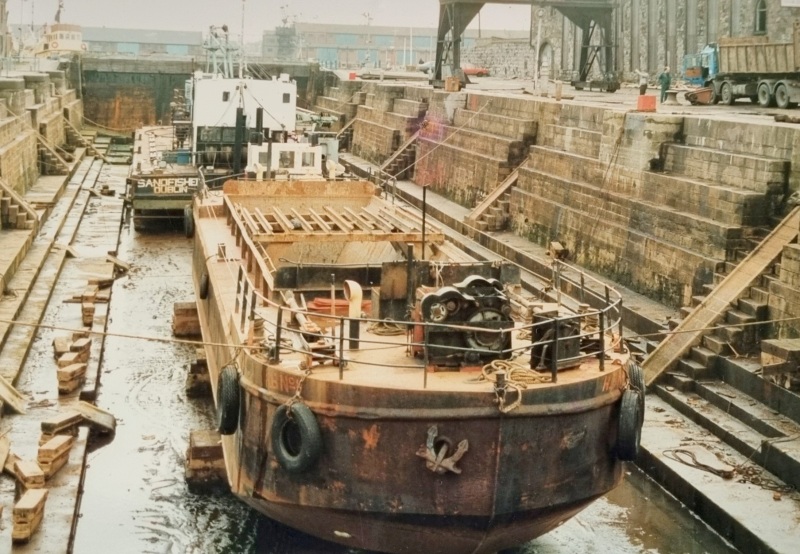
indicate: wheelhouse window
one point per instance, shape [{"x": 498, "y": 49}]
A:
[
  {"x": 286, "y": 160},
  {"x": 761, "y": 17}
]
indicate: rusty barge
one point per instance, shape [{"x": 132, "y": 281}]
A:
[{"x": 377, "y": 388}]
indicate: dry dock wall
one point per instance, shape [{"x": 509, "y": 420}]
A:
[
  {"x": 657, "y": 202},
  {"x": 31, "y": 104}
]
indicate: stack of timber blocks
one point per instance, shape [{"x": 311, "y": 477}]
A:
[
  {"x": 32, "y": 476},
  {"x": 72, "y": 355}
]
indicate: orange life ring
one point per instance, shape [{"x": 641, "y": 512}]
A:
[{"x": 54, "y": 45}]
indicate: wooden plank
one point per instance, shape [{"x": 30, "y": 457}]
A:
[
  {"x": 248, "y": 220},
  {"x": 11, "y": 397},
  {"x": 264, "y": 223},
  {"x": 364, "y": 223},
  {"x": 718, "y": 302},
  {"x": 125, "y": 267},
  {"x": 54, "y": 448},
  {"x": 5, "y": 450},
  {"x": 282, "y": 220},
  {"x": 377, "y": 221},
  {"x": 374, "y": 236},
  {"x": 306, "y": 225},
  {"x": 61, "y": 422},
  {"x": 416, "y": 218},
  {"x": 339, "y": 220},
  {"x": 98, "y": 418},
  {"x": 323, "y": 225},
  {"x": 493, "y": 196}
]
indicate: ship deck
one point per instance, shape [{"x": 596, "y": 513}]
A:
[{"x": 254, "y": 229}]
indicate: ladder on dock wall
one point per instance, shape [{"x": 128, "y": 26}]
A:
[
  {"x": 15, "y": 212},
  {"x": 483, "y": 209},
  {"x": 345, "y": 135},
  {"x": 689, "y": 332},
  {"x": 399, "y": 164},
  {"x": 75, "y": 137}
]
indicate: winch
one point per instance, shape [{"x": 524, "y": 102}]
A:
[{"x": 456, "y": 315}]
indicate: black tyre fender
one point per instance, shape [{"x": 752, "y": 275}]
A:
[
  {"x": 635, "y": 376},
  {"x": 228, "y": 400},
  {"x": 203, "y": 286},
  {"x": 629, "y": 430},
  {"x": 296, "y": 441},
  {"x": 188, "y": 222},
  {"x": 636, "y": 382}
]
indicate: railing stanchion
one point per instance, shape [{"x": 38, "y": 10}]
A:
[
  {"x": 341, "y": 349},
  {"x": 602, "y": 320},
  {"x": 554, "y": 352}
]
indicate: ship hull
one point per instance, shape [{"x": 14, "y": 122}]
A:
[{"x": 376, "y": 484}]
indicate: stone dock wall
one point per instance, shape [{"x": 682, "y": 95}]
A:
[
  {"x": 657, "y": 202},
  {"x": 32, "y": 106}
]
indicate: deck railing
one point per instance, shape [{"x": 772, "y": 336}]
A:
[{"x": 607, "y": 336}]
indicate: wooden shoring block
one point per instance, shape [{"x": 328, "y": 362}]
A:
[
  {"x": 71, "y": 358},
  {"x": 81, "y": 345},
  {"x": 87, "y": 313},
  {"x": 28, "y": 514},
  {"x": 61, "y": 345},
  {"x": 89, "y": 293},
  {"x": 101, "y": 420},
  {"x": 29, "y": 473},
  {"x": 70, "y": 378},
  {"x": 55, "y": 454},
  {"x": 62, "y": 422},
  {"x": 122, "y": 266}
]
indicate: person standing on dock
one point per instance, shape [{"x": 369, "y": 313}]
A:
[
  {"x": 665, "y": 79},
  {"x": 643, "y": 76}
]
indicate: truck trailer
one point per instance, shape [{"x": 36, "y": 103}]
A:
[{"x": 767, "y": 73}]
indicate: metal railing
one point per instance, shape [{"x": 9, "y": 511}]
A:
[{"x": 250, "y": 301}]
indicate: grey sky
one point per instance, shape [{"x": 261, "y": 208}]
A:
[{"x": 198, "y": 15}]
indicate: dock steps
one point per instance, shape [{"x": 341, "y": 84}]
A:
[
  {"x": 718, "y": 301},
  {"x": 734, "y": 506}
]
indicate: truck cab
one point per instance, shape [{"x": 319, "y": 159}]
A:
[{"x": 699, "y": 69}]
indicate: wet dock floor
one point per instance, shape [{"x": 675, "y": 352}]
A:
[{"x": 135, "y": 497}]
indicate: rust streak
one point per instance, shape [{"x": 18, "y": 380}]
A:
[{"x": 371, "y": 437}]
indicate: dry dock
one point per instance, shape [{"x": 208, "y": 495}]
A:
[{"x": 130, "y": 490}]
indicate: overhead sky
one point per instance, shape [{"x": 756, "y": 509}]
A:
[{"x": 199, "y": 15}]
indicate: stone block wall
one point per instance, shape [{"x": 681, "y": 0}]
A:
[
  {"x": 779, "y": 141},
  {"x": 18, "y": 156},
  {"x": 470, "y": 143},
  {"x": 342, "y": 101},
  {"x": 386, "y": 120},
  {"x": 784, "y": 295},
  {"x": 636, "y": 205}
]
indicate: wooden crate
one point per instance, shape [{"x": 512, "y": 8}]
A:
[{"x": 28, "y": 514}]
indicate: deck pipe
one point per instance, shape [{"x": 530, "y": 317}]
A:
[
  {"x": 353, "y": 294},
  {"x": 238, "y": 141},
  {"x": 259, "y": 126}
]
